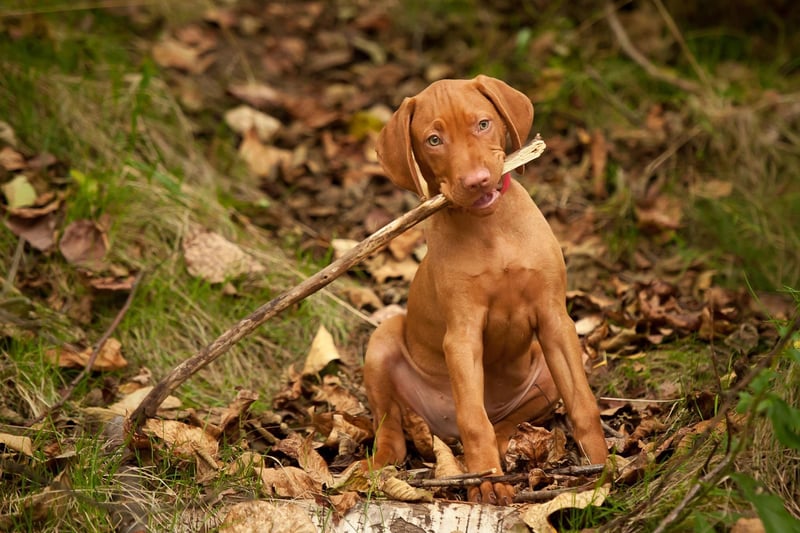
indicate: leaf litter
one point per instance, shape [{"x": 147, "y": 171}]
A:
[{"x": 315, "y": 152}]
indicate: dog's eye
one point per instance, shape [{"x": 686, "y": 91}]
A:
[
  {"x": 434, "y": 140},
  {"x": 483, "y": 124}
]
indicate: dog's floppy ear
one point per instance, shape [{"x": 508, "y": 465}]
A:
[
  {"x": 395, "y": 151},
  {"x": 514, "y": 107}
]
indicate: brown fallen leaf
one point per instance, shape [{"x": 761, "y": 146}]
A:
[
  {"x": 345, "y": 435},
  {"x": 186, "y": 442},
  {"x": 258, "y": 95},
  {"x": 404, "y": 244},
  {"x": 748, "y": 525},
  {"x": 384, "y": 267},
  {"x": 536, "y": 446},
  {"x": 345, "y": 501},
  {"x": 109, "y": 358},
  {"x": 302, "y": 450},
  {"x": 244, "y": 118},
  {"x": 341, "y": 399},
  {"x": 11, "y": 160},
  {"x": 322, "y": 351},
  {"x": 171, "y": 53},
  {"x": 446, "y": 463},
  {"x": 536, "y": 515},
  {"x": 598, "y": 153},
  {"x": 289, "y": 482},
  {"x": 17, "y": 443},
  {"x": 131, "y": 401},
  {"x": 397, "y": 489},
  {"x": 665, "y": 213},
  {"x": 363, "y": 298},
  {"x": 84, "y": 244},
  {"x": 39, "y": 232},
  {"x": 262, "y": 159},
  {"x": 214, "y": 258}
]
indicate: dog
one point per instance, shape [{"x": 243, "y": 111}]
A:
[{"x": 486, "y": 342}]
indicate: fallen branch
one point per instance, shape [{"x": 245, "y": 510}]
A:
[{"x": 364, "y": 249}]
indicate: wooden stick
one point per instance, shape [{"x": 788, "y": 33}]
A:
[{"x": 364, "y": 249}]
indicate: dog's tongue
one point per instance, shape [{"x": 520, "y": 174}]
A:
[{"x": 486, "y": 199}]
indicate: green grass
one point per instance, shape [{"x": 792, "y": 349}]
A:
[{"x": 89, "y": 99}]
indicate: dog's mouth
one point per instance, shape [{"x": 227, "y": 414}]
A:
[{"x": 488, "y": 199}]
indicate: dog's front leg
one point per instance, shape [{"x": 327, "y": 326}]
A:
[
  {"x": 562, "y": 353},
  {"x": 463, "y": 348}
]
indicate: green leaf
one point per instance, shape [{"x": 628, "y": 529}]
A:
[
  {"x": 785, "y": 422},
  {"x": 19, "y": 192},
  {"x": 770, "y": 508}
]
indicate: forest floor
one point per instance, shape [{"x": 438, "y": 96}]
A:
[{"x": 168, "y": 167}]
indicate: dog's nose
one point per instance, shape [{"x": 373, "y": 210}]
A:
[{"x": 476, "y": 180}]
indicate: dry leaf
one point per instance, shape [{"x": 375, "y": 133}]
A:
[
  {"x": 345, "y": 501},
  {"x": 18, "y": 443},
  {"x": 8, "y": 136},
  {"x": 302, "y": 450},
  {"x": 84, "y": 244},
  {"x": 665, "y": 214},
  {"x": 536, "y": 445},
  {"x": 341, "y": 399},
  {"x": 256, "y": 94},
  {"x": 39, "y": 232},
  {"x": 262, "y": 160},
  {"x": 130, "y": 402},
  {"x": 19, "y": 192},
  {"x": 535, "y": 515},
  {"x": 397, "y": 489},
  {"x": 342, "y": 246},
  {"x": 362, "y": 298},
  {"x": 384, "y": 267},
  {"x": 214, "y": 258},
  {"x": 404, "y": 244},
  {"x": 598, "y": 153},
  {"x": 258, "y": 516},
  {"x": 748, "y": 525},
  {"x": 236, "y": 410},
  {"x": 289, "y": 482},
  {"x": 10, "y": 159},
  {"x": 322, "y": 352},
  {"x": 588, "y": 324},
  {"x": 244, "y": 118},
  {"x": 419, "y": 432},
  {"x": 446, "y": 463},
  {"x": 109, "y": 358},
  {"x": 188, "y": 443},
  {"x": 172, "y": 53},
  {"x": 345, "y": 435},
  {"x": 182, "y": 439},
  {"x": 713, "y": 189}
]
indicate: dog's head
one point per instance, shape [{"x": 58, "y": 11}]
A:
[{"x": 451, "y": 138}]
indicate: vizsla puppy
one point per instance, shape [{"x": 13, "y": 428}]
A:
[{"x": 486, "y": 342}]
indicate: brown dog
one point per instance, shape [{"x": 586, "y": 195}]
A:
[{"x": 487, "y": 342}]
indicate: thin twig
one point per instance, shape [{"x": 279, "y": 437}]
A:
[
  {"x": 247, "y": 325},
  {"x": 98, "y": 347},
  {"x": 547, "y": 495},
  {"x": 8, "y": 284},
  {"x": 678, "y": 36},
  {"x": 632, "y": 52}
]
